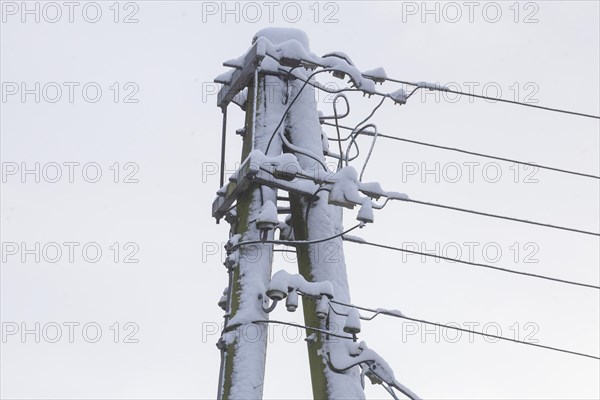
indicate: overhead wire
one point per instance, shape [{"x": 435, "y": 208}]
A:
[
  {"x": 469, "y": 152},
  {"x": 486, "y": 214},
  {"x": 272, "y": 321},
  {"x": 295, "y": 242},
  {"x": 441, "y": 88},
  {"x": 475, "y": 264},
  {"x": 439, "y": 325}
]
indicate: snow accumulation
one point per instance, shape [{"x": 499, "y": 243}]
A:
[
  {"x": 241, "y": 98},
  {"x": 352, "y": 322},
  {"x": 325, "y": 220},
  {"x": 396, "y": 196},
  {"x": 378, "y": 75},
  {"x": 372, "y": 189},
  {"x": 285, "y": 230},
  {"x": 291, "y": 301},
  {"x": 287, "y": 160},
  {"x": 223, "y": 300},
  {"x": 285, "y": 44},
  {"x": 323, "y": 307},
  {"x": 339, "y": 54},
  {"x": 365, "y": 214},
  {"x": 284, "y": 282},
  {"x": 267, "y": 218},
  {"x": 399, "y": 96},
  {"x": 233, "y": 240},
  {"x": 282, "y": 48},
  {"x": 396, "y": 313},
  {"x": 361, "y": 353},
  {"x": 431, "y": 86},
  {"x": 225, "y": 78},
  {"x": 355, "y": 239},
  {"x": 232, "y": 259},
  {"x": 281, "y": 35},
  {"x": 344, "y": 190}
]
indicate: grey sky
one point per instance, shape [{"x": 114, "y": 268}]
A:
[{"x": 171, "y": 137}]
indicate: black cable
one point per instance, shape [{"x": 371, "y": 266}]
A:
[
  {"x": 272, "y": 321},
  {"x": 524, "y": 221},
  {"x": 511, "y": 271},
  {"x": 294, "y": 242},
  {"x": 302, "y": 151},
  {"x": 440, "y": 88},
  {"x": 306, "y": 82},
  {"x": 284, "y": 250},
  {"x": 338, "y": 117},
  {"x": 337, "y": 126},
  {"x": 356, "y": 131},
  {"x": 422, "y": 321},
  {"x": 311, "y": 201},
  {"x": 464, "y": 152}
]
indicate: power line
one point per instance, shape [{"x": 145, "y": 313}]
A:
[
  {"x": 272, "y": 321},
  {"x": 473, "y": 153},
  {"x": 422, "y": 321},
  {"x": 524, "y": 221},
  {"x": 338, "y": 91},
  {"x": 485, "y": 214},
  {"x": 475, "y": 264},
  {"x": 440, "y": 88},
  {"x": 295, "y": 242},
  {"x": 417, "y": 86}
]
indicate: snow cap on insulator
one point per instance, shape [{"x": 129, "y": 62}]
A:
[
  {"x": 323, "y": 307},
  {"x": 267, "y": 218},
  {"x": 352, "y": 324},
  {"x": 232, "y": 260},
  {"x": 291, "y": 302},
  {"x": 365, "y": 214},
  {"x": 285, "y": 229},
  {"x": 223, "y": 300},
  {"x": 278, "y": 287},
  {"x": 233, "y": 241}
]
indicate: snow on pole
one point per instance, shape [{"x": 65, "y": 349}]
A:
[
  {"x": 322, "y": 261},
  {"x": 243, "y": 342}
]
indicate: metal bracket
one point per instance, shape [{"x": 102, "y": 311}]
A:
[
  {"x": 250, "y": 173},
  {"x": 241, "y": 77},
  {"x": 229, "y": 193}
]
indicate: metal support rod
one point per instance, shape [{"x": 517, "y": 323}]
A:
[{"x": 223, "y": 143}]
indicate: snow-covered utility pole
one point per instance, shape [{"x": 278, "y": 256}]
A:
[
  {"x": 269, "y": 118},
  {"x": 321, "y": 261},
  {"x": 284, "y": 149},
  {"x": 249, "y": 267}
]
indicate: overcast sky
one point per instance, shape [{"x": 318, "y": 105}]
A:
[{"x": 128, "y": 93}]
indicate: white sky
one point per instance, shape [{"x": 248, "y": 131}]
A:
[{"x": 173, "y": 135}]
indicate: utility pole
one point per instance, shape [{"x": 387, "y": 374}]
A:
[
  {"x": 272, "y": 124},
  {"x": 322, "y": 261},
  {"x": 243, "y": 360}
]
